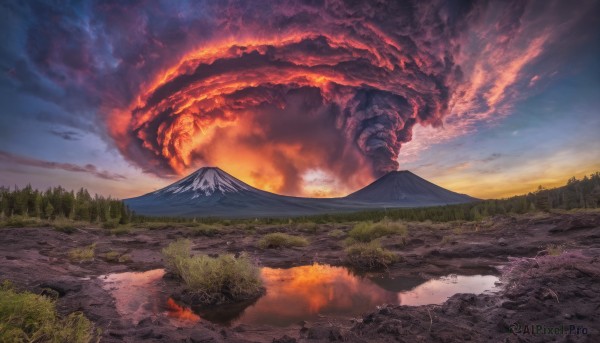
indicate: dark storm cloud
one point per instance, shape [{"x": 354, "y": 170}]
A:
[
  {"x": 383, "y": 74},
  {"x": 67, "y": 134},
  {"x": 335, "y": 85},
  {"x": 33, "y": 162}
]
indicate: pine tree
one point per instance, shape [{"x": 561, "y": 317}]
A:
[{"x": 49, "y": 211}]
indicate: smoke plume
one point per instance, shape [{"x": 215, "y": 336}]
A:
[{"x": 277, "y": 91}]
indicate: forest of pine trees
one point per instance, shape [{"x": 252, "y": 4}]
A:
[{"x": 59, "y": 203}]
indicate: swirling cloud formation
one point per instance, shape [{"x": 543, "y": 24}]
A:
[
  {"x": 279, "y": 92},
  {"x": 336, "y": 87}
]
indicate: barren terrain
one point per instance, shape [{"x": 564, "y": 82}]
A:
[{"x": 549, "y": 267}]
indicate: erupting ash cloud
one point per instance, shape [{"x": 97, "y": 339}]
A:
[
  {"x": 336, "y": 86},
  {"x": 277, "y": 91}
]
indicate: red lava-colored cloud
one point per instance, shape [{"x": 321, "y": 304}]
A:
[
  {"x": 339, "y": 100},
  {"x": 332, "y": 89}
]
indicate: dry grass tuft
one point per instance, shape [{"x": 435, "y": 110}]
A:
[
  {"x": 368, "y": 231},
  {"x": 28, "y": 317},
  {"x": 83, "y": 254},
  {"x": 281, "y": 240},
  {"x": 214, "y": 279},
  {"x": 369, "y": 256}
]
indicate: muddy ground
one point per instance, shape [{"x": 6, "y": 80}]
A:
[{"x": 558, "y": 295}]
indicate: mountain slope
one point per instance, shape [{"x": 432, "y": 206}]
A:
[
  {"x": 406, "y": 188},
  {"x": 206, "y": 182},
  {"x": 211, "y": 192}
]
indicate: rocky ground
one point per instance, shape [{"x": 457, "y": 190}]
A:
[{"x": 547, "y": 294}]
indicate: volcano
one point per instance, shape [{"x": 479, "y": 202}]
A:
[
  {"x": 211, "y": 192},
  {"x": 405, "y": 188},
  {"x": 206, "y": 182}
]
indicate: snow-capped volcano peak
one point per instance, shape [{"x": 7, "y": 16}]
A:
[{"x": 206, "y": 182}]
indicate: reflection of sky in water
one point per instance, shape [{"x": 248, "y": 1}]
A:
[
  {"x": 140, "y": 295},
  {"x": 134, "y": 293},
  {"x": 436, "y": 291},
  {"x": 293, "y": 295}
]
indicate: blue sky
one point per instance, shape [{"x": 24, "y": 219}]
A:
[{"x": 515, "y": 87}]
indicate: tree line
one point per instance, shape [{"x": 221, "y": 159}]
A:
[
  {"x": 584, "y": 193},
  {"x": 57, "y": 202}
]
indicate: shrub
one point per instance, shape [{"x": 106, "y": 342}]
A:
[
  {"x": 111, "y": 224},
  {"x": 115, "y": 256},
  {"x": 248, "y": 227},
  {"x": 368, "y": 231},
  {"x": 124, "y": 258},
  {"x": 214, "y": 279},
  {"x": 281, "y": 240},
  {"x": 64, "y": 225},
  {"x": 120, "y": 230},
  {"x": 112, "y": 256},
  {"x": 83, "y": 254},
  {"x": 337, "y": 233},
  {"x": 205, "y": 230},
  {"x": 555, "y": 249},
  {"x": 369, "y": 256},
  {"x": 21, "y": 221},
  {"x": 175, "y": 253},
  {"x": 446, "y": 240},
  {"x": 153, "y": 226},
  {"x": 28, "y": 317},
  {"x": 310, "y": 228}
]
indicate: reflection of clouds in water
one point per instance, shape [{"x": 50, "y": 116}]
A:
[
  {"x": 304, "y": 292},
  {"x": 436, "y": 291},
  {"x": 293, "y": 295},
  {"x": 182, "y": 313},
  {"x": 135, "y": 293}
]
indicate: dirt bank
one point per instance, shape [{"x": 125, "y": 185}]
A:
[{"x": 544, "y": 291}]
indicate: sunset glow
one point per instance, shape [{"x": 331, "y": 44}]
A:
[{"x": 299, "y": 98}]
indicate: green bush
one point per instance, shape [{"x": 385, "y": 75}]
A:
[
  {"x": 175, "y": 253},
  {"x": 337, "y": 233},
  {"x": 153, "y": 226},
  {"x": 116, "y": 257},
  {"x": 369, "y": 256},
  {"x": 120, "y": 230},
  {"x": 555, "y": 249},
  {"x": 281, "y": 240},
  {"x": 368, "y": 231},
  {"x": 83, "y": 254},
  {"x": 214, "y": 280},
  {"x": 28, "y": 317},
  {"x": 112, "y": 256},
  {"x": 110, "y": 225},
  {"x": 21, "y": 221},
  {"x": 205, "y": 230},
  {"x": 311, "y": 228},
  {"x": 65, "y": 225},
  {"x": 446, "y": 240}
]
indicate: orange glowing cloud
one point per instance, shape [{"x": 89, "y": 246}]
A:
[
  {"x": 272, "y": 108},
  {"x": 337, "y": 90}
]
